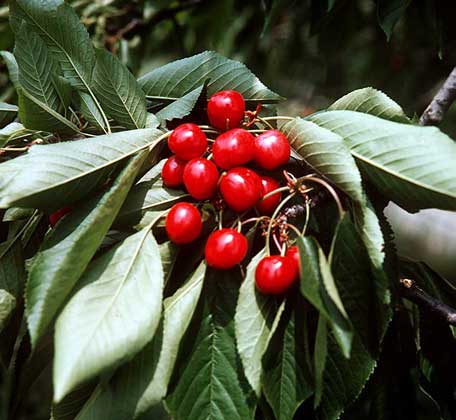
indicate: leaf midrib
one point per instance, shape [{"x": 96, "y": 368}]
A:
[{"x": 114, "y": 298}]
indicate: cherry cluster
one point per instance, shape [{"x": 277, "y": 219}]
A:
[{"x": 218, "y": 173}]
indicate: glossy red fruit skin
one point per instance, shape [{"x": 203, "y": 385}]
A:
[
  {"x": 172, "y": 172},
  {"x": 271, "y": 149},
  {"x": 225, "y": 248},
  {"x": 201, "y": 178},
  {"x": 225, "y": 109},
  {"x": 241, "y": 189},
  {"x": 268, "y": 206},
  {"x": 187, "y": 141},
  {"x": 275, "y": 274},
  {"x": 183, "y": 223},
  {"x": 293, "y": 253},
  {"x": 233, "y": 148},
  {"x": 57, "y": 215}
]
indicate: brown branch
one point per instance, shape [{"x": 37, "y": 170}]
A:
[
  {"x": 434, "y": 113},
  {"x": 410, "y": 291}
]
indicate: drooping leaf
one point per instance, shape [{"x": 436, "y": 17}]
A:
[
  {"x": 180, "y": 107},
  {"x": 143, "y": 382},
  {"x": 118, "y": 91},
  {"x": 286, "y": 380},
  {"x": 411, "y": 165},
  {"x": 257, "y": 316},
  {"x": 113, "y": 317},
  {"x": 13, "y": 69},
  {"x": 7, "y": 113},
  {"x": 12, "y": 267},
  {"x": 327, "y": 153},
  {"x": 55, "y": 175},
  {"x": 7, "y": 305},
  {"x": 389, "y": 12},
  {"x": 318, "y": 286},
  {"x": 320, "y": 355},
  {"x": 371, "y": 101},
  {"x": 12, "y": 131},
  {"x": 68, "y": 249},
  {"x": 208, "y": 381},
  {"x": 343, "y": 379},
  {"x": 356, "y": 283},
  {"x": 174, "y": 80}
]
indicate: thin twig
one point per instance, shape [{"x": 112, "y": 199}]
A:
[
  {"x": 434, "y": 113},
  {"x": 412, "y": 292}
]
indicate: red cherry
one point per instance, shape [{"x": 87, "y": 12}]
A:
[
  {"x": 172, "y": 172},
  {"x": 226, "y": 109},
  {"x": 225, "y": 248},
  {"x": 241, "y": 188},
  {"x": 233, "y": 148},
  {"x": 187, "y": 141},
  {"x": 200, "y": 178},
  {"x": 271, "y": 149},
  {"x": 57, "y": 215},
  {"x": 270, "y": 204},
  {"x": 183, "y": 223},
  {"x": 293, "y": 253},
  {"x": 275, "y": 274}
]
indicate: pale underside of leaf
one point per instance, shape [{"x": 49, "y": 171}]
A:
[
  {"x": 411, "y": 165},
  {"x": 68, "y": 249},
  {"x": 113, "y": 317},
  {"x": 58, "y": 174}
]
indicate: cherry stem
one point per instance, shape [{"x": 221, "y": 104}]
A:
[
  {"x": 220, "y": 219},
  {"x": 257, "y": 131},
  {"x": 255, "y": 219},
  {"x": 277, "y": 243},
  {"x": 271, "y": 193},
  {"x": 306, "y": 223},
  {"x": 283, "y": 250},
  {"x": 271, "y": 222},
  {"x": 294, "y": 229},
  {"x": 331, "y": 190},
  {"x": 278, "y": 117},
  {"x": 265, "y": 122}
]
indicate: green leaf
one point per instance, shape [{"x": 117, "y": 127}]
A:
[
  {"x": 60, "y": 28},
  {"x": 411, "y": 165},
  {"x": 36, "y": 68},
  {"x": 320, "y": 355},
  {"x": 71, "y": 405},
  {"x": 90, "y": 111},
  {"x": 13, "y": 69},
  {"x": 36, "y": 115},
  {"x": 7, "y": 305},
  {"x": 147, "y": 197},
  {"x": 113, "y": 317},
  {"x": 55, "y": 175},
  {"x": 174, "y": 80},
  {"x": 12, "y": 267},
  {"x": 7, "y": 113},
  {"x": 356, "y": 283},
  {"x": 68, "y": 249},
  {"x": 327, "y": 153},
  {"x": 257, "y": 316},
  {"x": 318, "y": 286},
  {"x": 12, "y": 131},
  {"x": 118, "y": 91},
  {"x": 181, "y": 107},
  {"x": 143, "y": 382},
  {"x": 208, "y": 381},
  {"x": 371, "y": 101},
  {"x": 343, "y": 379},
  {"x": 286, "y": 380},
  {"x": 389, "y": 12}
]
